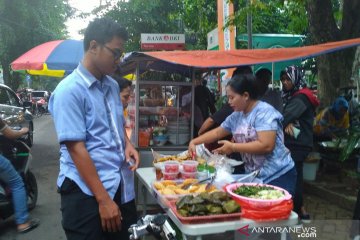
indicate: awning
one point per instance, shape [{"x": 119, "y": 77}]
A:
[{"x": 185, "y": 61}]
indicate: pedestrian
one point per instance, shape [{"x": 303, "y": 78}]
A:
[
  {"x": 258, "y": 134},
  {"x": 96, "y": 202},
  {"x": 299, "y": 111},
  {"x": 11, "y": 177},
  {"x": 266, "y": 94}
]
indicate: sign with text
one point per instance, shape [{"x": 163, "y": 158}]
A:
[{"x": 162, "y": 41}]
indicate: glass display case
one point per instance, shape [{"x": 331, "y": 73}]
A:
[{"x": 164, "y": 111}]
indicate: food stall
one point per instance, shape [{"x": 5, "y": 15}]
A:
[
  {"x": 164, "y": 112},
  {"x": 164, "y": 89}
]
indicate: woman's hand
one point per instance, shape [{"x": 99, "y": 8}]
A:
[
  {"x": 192, "y": 149},
  {"x": 226, "y": 148},
  {"x": 289, "y": 129}
]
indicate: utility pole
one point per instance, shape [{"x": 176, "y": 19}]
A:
[{"x": 249, "y": 25}]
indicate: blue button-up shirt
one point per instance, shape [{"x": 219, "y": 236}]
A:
[{"x": 88, "y": 110}]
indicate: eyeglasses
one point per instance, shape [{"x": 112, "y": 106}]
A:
[{"x": 117, "y": 53}]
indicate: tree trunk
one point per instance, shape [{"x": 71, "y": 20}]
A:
[{"x": 334, "y": 70}]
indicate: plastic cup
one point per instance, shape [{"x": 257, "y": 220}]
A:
[
  {"x": 190, "y": 166},
  {"x": 186, "y": 175},
  {"x": 170, "y": 176},
  {"x": 171, "y": 167}
]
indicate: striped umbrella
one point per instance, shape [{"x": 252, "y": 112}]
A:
[{"x": 54, "y": 58}]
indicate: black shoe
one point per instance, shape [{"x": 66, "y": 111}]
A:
[{"x": 33, "y": 223}]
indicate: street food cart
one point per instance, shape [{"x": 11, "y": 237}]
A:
[{"x": 164, "y": 110}]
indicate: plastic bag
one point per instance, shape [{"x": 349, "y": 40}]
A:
[{"x": 275, "y": 212}]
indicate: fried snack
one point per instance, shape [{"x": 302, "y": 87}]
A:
[
  {"x": 189, "y": 181},
  {"x": 169, "y": 187},
  {"x": 172, "y": 187},
  {"x": 211, "y": 188},
  {"x": 168, "y": 182},
  {"x": 201, "y": 188},
  {"x": 193, "y": 188},
  {"x": 181, "y": 191},
  {"x": 173, "y": 158},
  {"x": 168, "y": 191},
  {"x": 159, "y": 185}
]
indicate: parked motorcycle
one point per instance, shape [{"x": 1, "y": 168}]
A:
[
  {"x": 157, "y": 225},
  {"x": 19, "y": 155}
]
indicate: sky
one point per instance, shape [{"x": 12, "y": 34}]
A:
[{"x": 74, "y": 25}]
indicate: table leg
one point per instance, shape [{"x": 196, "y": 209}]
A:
[
  {"x": 144, "y": 192},
  {"x": 184, "y": 237}
]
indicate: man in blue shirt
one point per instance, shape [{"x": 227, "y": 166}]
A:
[{"x": 89, "y": 122}]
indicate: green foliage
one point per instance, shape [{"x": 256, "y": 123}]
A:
[
  {"x": 25, "y": 24},
  {"x": 156, "y": 16},
  {"x": 199, "y": 18},
  {"x": 270, "y": 16},
  {"x": 352, "y": 141}
]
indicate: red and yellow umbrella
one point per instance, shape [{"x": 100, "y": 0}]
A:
[{"x": 54, "y": 58}]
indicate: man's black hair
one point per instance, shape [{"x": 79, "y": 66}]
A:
[
  {"x": 103, "y": 30},
  {"x": 263, "y": 78},
  {"x": 263, "y": 73},
  {"x": 243, "y": 70}
]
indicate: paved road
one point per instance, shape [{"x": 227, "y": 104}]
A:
[{"x": 45, "y": 167}]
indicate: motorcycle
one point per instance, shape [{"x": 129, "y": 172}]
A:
[
  {"x": 39, "y": 107},
  {"x": 20, "y": 157},
  {"x": 157, "y": 225}
]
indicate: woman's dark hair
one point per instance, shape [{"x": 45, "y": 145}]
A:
[
  {"x": 244, "y": 83},
  {"x": 123, "y": 83},
  {"x": 103, "y": 30}
]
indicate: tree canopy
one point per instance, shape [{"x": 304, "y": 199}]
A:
[{"x": 25, "y": 24}]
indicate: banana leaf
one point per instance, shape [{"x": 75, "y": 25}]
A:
[{"x": 352, "y": 142}]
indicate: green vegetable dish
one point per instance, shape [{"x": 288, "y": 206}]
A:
[{"x": 259, "y": 192}]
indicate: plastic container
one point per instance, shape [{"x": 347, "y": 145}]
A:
[
  {"x": 144, "y": 138},
  {"x": 202, "y": 175},
  {"x": 160, "y": 140},
  {"x": 186, "y": 175},
  {"x": 204, "y": 219},
  {"x": 170, "y": 176},
  {"x": 309, "y": 170},
  {"x": 190, "y": 166},
  {"x": 257, "y": 203},
  {"x": 171, "y": 167}
]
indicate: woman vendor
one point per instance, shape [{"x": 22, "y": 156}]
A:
[
  {"x": 257, "y": 130},
  {"x": 332, "y": 120}
]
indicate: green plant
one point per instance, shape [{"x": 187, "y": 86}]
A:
[{"x": 352, "y": 140}]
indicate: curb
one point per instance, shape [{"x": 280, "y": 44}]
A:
[{"x": 320, "y": 190}]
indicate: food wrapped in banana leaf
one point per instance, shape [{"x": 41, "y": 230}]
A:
[
  {"x": 206, "y": 204},
  {"x": 198, "y": 209},
  {"x": 230, "y": 206},
  {"x": 222, "y": 196},
  {"x": 181, "y": 202},
  {"x": 196, "y": 200},
  {"x": 215, "y": 209}
]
